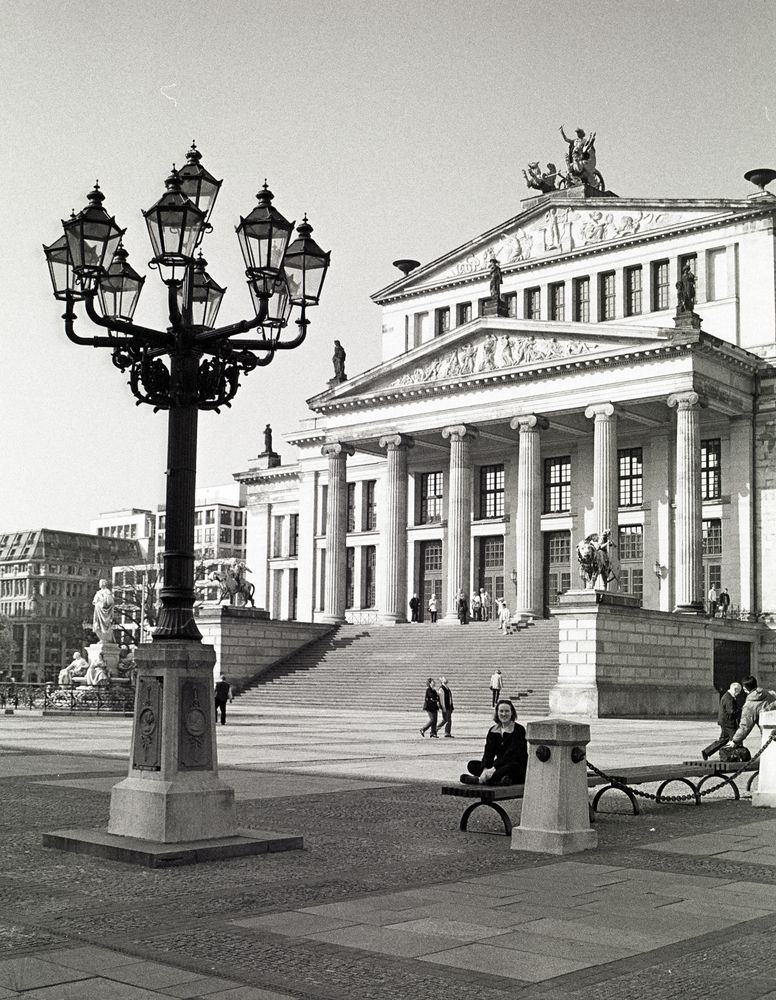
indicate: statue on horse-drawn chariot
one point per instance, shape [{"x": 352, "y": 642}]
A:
[
  {"x": 580, "y": 167},
  {"x": 596, "y": 564}
]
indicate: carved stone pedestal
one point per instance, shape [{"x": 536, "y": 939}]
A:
[{"x": 172, "y": 808}]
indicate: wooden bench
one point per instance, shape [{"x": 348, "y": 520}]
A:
[{"x": 491, "y": 795}]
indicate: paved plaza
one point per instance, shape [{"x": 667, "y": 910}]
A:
[{"x": 388, "y": 899}]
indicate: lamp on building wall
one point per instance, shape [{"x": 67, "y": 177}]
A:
[
  {"x": 513, "y": 578},
  {"x": 659, "y": 571}
]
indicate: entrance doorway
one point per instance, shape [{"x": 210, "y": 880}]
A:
[
  {"x": 557, "y": 567},
  {"x": 490, "y": 572},
  {"x": 431, "y": 577},
  {"x": 732, "y": 662}
]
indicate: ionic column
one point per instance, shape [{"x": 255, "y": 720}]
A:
[
  {"x": 605, "y": 480},
  {"x": 528, "y": 517},
  {"x": 393, "y": 533},
  {"x": 688, "y": 558},
  {"x": 336, "y": 531},
  {"x": 459, "y": 514}
]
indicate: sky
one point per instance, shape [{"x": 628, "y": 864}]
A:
[{"x": 401, "y": 128}]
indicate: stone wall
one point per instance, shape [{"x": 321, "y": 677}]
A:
[
  {"x": 247, "y": 643},
  {"x": 619, "y": 660}
]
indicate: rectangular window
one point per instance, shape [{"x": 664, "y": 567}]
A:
[
  {"x": 226, "y": 517},
  {"x": 493, "y": 553},
  {"x": 369, "y": 513},
  {"x": 712, "y": 537},
  {"x": 463, "y": 313},
  {"x": 492, "y": 491},
  {"x": 293, "y": 535},
  {"x": 711, "y": 481},
  {"x": 210, "y": 536},
  {"x": 481, "y": 306},
  {"x": 277, "y": 537},
  {"x": 559, "y": 547},
  {"x": 431, "y": 497},
  {"x": 197, "y": 517},
  {"x": 632, "y": 581},
  {"x": 350, "y": 575},
  {"x": 532, "y": 303},
  {"x": 351, "y": 507},
  {"x": 238, "y": 518},
  {"x": 324, "y": 508},
  {"x": 716, "y": 275},
  {"x": 557, "y": 484},
  {"x": 238, "y": 536},
  {"x": 631, "y": 477},
  {"x": 607, "y": 299},
  {"x": 421, "y": 329},
  {"x": 581, "y": 300},
  {"x": 660, "y": 289},
  {"x": 369, "y": 576},
  {"x": 210, "y": 516},
  {"x": 558, "y": 301},
  {"x": 225, "y": 536},
  {"x": 432, "y": 557},
  {"x": 510, "y": 300},
  {"x": 692, "y": 260},
  {"x": 633, "y": 291},
  {"x": 442, "y": 321},
  {"x": 631, "y": 542}
]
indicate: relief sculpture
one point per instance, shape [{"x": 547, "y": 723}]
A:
[{"x": 492, "y": 354}]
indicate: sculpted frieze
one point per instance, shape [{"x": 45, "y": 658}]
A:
[{"x": 493, "y": 353}]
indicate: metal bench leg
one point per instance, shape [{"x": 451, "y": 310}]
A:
[
  {"x": 722, "y": 777},
  {"x": 684, "y": 781},
  {"x": 617, "y": 788},
  {"x": 749, "y": 783},
  {"x": 491, "y": 805}
]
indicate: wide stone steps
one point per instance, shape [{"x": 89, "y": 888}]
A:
[{"x": 373, "y": 666}]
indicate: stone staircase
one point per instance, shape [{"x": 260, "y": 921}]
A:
[{"x": 375, "y": 666}]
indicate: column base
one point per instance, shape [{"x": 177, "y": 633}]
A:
[
  {"x": 195, "y": 807},
  {"x": 332, "y": 620},
  {"x": 574, "y": 699},
  {"x": 695, "y": 608},
  {"x": 390, "y": 619},
  {"x": 554, "y": 841}
]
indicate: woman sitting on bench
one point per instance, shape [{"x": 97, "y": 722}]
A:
[{"x": 506, "y": 752}]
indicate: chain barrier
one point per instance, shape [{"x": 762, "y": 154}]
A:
[{"x": 728, "y": 779}]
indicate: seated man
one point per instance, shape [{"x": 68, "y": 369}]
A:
[{"x": 505, "y": 757}]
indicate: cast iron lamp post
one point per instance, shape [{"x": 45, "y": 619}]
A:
[
  {"x": 191, "y": 365},
  {"x": 172, "y": 803}
]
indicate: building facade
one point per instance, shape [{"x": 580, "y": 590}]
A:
[{"x": 491, "y": 440}]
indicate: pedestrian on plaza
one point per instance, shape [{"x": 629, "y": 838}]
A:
[
  {"x": 505, "y": 757},
  {"x": 757, "y": 699},
  {"x": 445, "y": 696},
  {"x": 414, "y": 606},
  {"x": 485, "y": 604},
  {"x": 476, "y": 607},
  {"x": 504, "y": 615},
  {"x": 432, "y": 608},
  {"x": 728, "y": 717},
  {"x": 431, "y": 708},
  {"x": 223, "y": 694},
  {"x": 713, "y": 598},
  {"x": 496, "y": 684},
  {"x": 462, "y": 607},
  {"x": 724, "y": 603}
]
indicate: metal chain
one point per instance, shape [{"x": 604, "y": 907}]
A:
[{"x": 617, "y": 783}]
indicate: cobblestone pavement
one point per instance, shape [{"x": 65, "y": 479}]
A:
[{"x": 387, "y": 900}]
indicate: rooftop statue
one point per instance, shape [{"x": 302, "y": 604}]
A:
[
  {"x": 685, "y": 286},
  {"x": 581, "y": 161},
  {"x": 495, "y": 278},
  {"x": 543, "y": 182},
  {"x": 338, "y": 360},
  {"x": 267, "y": 440}
]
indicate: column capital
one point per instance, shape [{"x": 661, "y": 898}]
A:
[
  {"x": 527, "y": 422},
  {"x": 395, "y": 441},
  {"x": 689, "y": 400},
  {"x": 601, "y": 411},
  {"x": 337, "y": 449},
  {"x": 459, "y": 431}
]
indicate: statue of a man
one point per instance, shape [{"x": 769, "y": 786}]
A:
[
  {"x": 267, "y": 440},
  {"x": 338, "y": 360},
  {"x": 495, "y": 278},
  {"x": 102, "y": 623},
  {"x": 685, "y": 286}
]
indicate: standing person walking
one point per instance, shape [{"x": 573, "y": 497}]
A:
[
  {"x": 463, "y": 608},
  {"x": 485, "y": 604},
  {"x": 724, "y": 603},
  {"x": 728, "y": 717},
  {"x": 503, "y": 617},
  {"x": 496, "y": 683},
  {"x": 713, "y": 598},
  {"x": 445, "y": 696},
  {"x": 475, "y": 606},
  {"x": 414, "y": 606},
  {"x": 223, "y": 694},
  {"x": 432, "y": 608},
  {"x": 431, "y": 708}
]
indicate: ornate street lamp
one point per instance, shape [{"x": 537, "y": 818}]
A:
[{"x": 173, "y": 795}]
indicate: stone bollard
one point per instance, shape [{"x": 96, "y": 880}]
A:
[
  {"x": 765, "y": 796},
  {"x": 555, "y": 817}
]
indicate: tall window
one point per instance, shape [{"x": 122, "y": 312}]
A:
[
  {"x": 324, "y": 509},
  {"x": 492, "y": 491},
  {"x": 631, "y": 477},
  {"x": 368, "y": 576},
  {"x": 493, "y": 554},
  {"x": 631, "y": 553},
  {"x": 442, "y": 321},
  {"x": 431, "y": 497},
  {"x": 557, "y": 484},
  {"x": 558, "y": 301},
  {"x": 351, "y": 507},
  {"x": 691, "y": 259},
  {"x": 607, "y": 298},
  {"x": 716, "y": 275},
  {"x": 711, "y": 482},
  {"x": 712, "y": 537},
  {"x": 350, "y": 575},
  {"x": 581, "y": 300},
  {"x": 660, "y": 289},
  {"x": 633, "y": 291},
  {"x": 277, "y": 537},
  {"x": 510, "y": 300},
  {"x": 533, "y": 308},
  {"x": 481, "y": 306},
  {"x": 463, "y": 313},
  {"x": 293, "y": 535},
  {"x": 369, "y": 513}
]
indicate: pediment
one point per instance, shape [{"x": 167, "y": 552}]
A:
[{"x": 557, "y": 225}]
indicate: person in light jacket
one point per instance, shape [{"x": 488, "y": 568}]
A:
[
  {"x": 757, "y": 699},
  {"x": 445, "y": 696}
]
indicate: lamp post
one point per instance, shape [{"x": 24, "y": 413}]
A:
[
  {"x": 188, "y": 366},
  {"x": 513, "y": 578}
]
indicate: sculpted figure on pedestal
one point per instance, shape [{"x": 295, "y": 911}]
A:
[
  {"x": 102, "y": 622},
  {"x": 581, "y": 161},
  {"x": 685, "y": 286},
  {"x": 543, "y": 182},
  {"x": 495, "y": 278},
  {"x": 595, "y": 563},
  {"x": 338, "y": 360}
]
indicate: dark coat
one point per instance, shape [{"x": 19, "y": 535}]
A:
[
  {"x": 729, "y": 714},
  {"x": 222, "y": 692},
  {"x": 502, "y": 749},
  {"x": 431, "y": 702}
]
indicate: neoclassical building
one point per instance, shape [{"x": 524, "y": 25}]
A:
[{"x": 499, "y": 430}]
